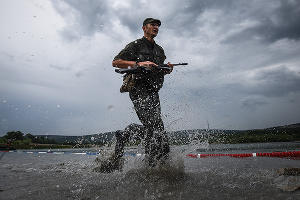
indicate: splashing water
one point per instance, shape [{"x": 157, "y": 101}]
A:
[{"x": 67, "y": 176}]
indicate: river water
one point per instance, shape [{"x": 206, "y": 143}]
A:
[{"x": 71, "y": 176}]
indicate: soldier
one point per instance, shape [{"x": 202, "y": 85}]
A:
[{"x": 143, "y": 91}]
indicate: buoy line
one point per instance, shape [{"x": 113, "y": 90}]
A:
[
  {"x": 245, "y": 155},
  {"x": 236, "y": 155}
]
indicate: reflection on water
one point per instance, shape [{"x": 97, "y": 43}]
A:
[{"x": 71, "y": 176}]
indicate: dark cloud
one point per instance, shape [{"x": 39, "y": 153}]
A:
[
  {"x": 277, "y": 82},
  {"x": 90, "y": 16},
  {"x": 186, "y": 15},
  {"x": 274, "y": 24},
  {"x": 94, "y": 15},
  {"x": 253, "y": 103},
  {"x": 276, "y": 19},
  {"x": 287, "y": 23}
]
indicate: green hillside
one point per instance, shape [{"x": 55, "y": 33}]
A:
[{"x": 288, "y": 133}]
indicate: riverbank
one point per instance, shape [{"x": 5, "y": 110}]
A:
[
  {"x": 34, "y": 146},
  {"x": 288, "y": 133}
]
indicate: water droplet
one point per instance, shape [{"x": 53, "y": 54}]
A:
[
  {"x": 58, "y": 106},
  {"x": 110, "y": 107}
]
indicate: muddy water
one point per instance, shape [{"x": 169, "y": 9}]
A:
[{"x": 69, "y": 176}]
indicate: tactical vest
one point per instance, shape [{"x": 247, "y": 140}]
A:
[{"x": 145, "y": 51}]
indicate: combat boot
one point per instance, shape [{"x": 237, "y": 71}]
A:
[{"x": 113, "y": 163}]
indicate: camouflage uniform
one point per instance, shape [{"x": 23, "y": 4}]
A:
[{"x": 145, "y": 99}]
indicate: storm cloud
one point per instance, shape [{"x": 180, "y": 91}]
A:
[{"x": 57, "y": 78}]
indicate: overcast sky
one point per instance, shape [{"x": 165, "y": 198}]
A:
[{"x": 56, "y": 75}]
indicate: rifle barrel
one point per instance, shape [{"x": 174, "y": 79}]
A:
[{"x": 180, "y": 64}]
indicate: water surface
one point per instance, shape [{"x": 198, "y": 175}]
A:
[{"x": 71, "y": 176}]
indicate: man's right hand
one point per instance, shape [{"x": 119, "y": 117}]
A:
[{"x": 147, "y": 64}]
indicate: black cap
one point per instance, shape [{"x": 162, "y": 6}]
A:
[{"x": 151, "y": 20}]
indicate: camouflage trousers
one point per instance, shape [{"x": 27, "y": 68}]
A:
[{"x": 147, "y": 107}]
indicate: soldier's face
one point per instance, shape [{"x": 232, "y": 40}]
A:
[{"x": 151, "y": 29}]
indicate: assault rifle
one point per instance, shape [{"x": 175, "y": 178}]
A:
[{"x": 142, "y": 69}]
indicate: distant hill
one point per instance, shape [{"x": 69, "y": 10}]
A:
[
  {"x": 99, "y": 139},
  {"x": 291, "y": 126},
  {"x": 274, "y": 134}
]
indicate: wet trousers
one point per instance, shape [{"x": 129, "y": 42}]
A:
[{"x": 147, "y": 107}]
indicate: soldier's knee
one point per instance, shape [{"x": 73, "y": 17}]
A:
[
  {"x": 118, "y": 133},
  {"x": 134, "y": 127}
]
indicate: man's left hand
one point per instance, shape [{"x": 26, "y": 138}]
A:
[{"x": 171, "y": 66}]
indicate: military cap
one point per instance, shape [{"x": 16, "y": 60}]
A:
[{"x": 151, "y": 20}]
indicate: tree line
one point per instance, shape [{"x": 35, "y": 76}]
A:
[{"x": 14, "y": 136}]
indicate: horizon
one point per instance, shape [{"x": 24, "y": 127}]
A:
[{"x": 167, "y": 131}]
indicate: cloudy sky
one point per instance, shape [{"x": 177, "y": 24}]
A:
[{"x": 56, "y": 75}]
